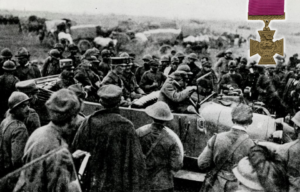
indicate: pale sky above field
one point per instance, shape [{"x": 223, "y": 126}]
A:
[{"x": 201, "y": 9}]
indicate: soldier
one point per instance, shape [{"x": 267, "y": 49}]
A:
[
  {"x": 66, "y": 77},
  {"x": 180, "y": 56},
  {"x": 59, "y": 47},
  {"x": 26, "y": 70},
  {"x": 51, "y": 64},
  {"x": 221, "y": 67},
  {"x": 226, "y": 149},
  {"x": 165, "y": 62},
  {"x": 141, "y": 70},
  {"x": 243, "y": 71},
  {"x": 175, "y": 93},
  {"x": 95, "y": 65},
  {"x": 7, "y": 85},
  {"x": 115, "y": 76},
  {"x": 293, "y": 61},
  {"x": 74, "y": 54},
  {"x": 172, "y": 68},
  {"x": 290, "y": 152},
  {"x": 273, "y": 77},
  {"x": 13, "y": 133},
  {"x": 250, "y": 83},
  {"x": 135, "y": 65},
  {"x": 208, "y": 74},
  {"x": 130, "y": 83},
  {"x": 162, "y": 148},
  {"x": 32, "y": 121},
  {"x": 6, "y": 54},
  {"x": 104, "y": 66},
  {"x": 232, "y": 80},
  {"x": 91, "y": 79},
  {"x": 192, "y": 58},
  {"x": 116, "y": 162},
  {"x": 63, "y": 107},
  {"x": 153, "y": 79}
]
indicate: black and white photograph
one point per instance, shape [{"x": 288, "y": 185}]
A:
[{"x": 149, "y": 96}]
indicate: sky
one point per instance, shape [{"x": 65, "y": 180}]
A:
[{"x": 200, "y": 9}]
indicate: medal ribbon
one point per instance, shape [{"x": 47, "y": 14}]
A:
[{"x": 266, "y": 7}]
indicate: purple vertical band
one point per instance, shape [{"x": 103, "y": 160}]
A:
[{"x": 266, "y": 7}]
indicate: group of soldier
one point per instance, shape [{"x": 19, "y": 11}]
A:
[{"x": 125, "y": 158}]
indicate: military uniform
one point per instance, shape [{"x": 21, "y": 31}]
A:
[
  {"x": 14, "y": 136},
  {"x": 50, "y": 68},
  {"x": 29, "y": 71},
  {"x": 175, "y": 96},
  {"x": 7, "y": 86},
  {"x": 149, "y": 78},
  {"x": 195, "y": 70},
  {"x": 130, "y": 84},
  {"x": 251, "y": 81},
  {"x": 216, "y": 152},
  {"x": 104, "y": 68},
  {"x": 140, "y": 72},
  {"x": 166, "y": 157},
  {"x": 222, "y": 65},
  {"x": 32, "y": 121},
  {"x": 231, "y": 80},
  {"x": 91, "y": 77}
]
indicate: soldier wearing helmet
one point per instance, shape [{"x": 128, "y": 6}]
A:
[
  {"x": 60, "y": 48},
  {"x": 165, "y": 62},
  {"x": 14, "y": 133},
  {"x": 227, "y": 149},
  {"x": 231, "y": 80},
  {"x": 167, "y": 156},
  {"x": 192, "y": 58},
  {"x": 51, "y": 64},
  {"x": 175, "y": 92},
  {"x": 153, "y": 79},
  {"x": 172, "y": 68},
  {"x": 104, "y": 66},
  {"x": 74, "y": 54},
  {"x": 221, "y": 67},
  {"x": 180, "y": 56},
  {"x": 141, "y": 70},
  {"x": 6, "y": 54},
  {"x": 7, "y": 85},
  {"x": 26, "y": 70}
]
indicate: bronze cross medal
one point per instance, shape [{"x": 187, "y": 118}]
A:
[{"x": 266, "y": 48}]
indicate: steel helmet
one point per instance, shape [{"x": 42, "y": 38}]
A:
[
  {"x": 105, "y": 52},
  {"x": 165, "y": 58},
  {"x": 54, "y": 53},
  {"x": 160, "y": 111},
  {"x": 23, "y": 52},
  {"x": 58, "y": 46},
  {"x": 6, "y": 53},
  {"x": 184, "y": 68},
  {"x": 179, "y": 55},
  {"x": 9, "y": 66},
  {"x": 228, "y": 51},
  {"x": 193, "y": 56},
  {"x": 16, "y": 99},
  {"x": 147, "y": 58}
]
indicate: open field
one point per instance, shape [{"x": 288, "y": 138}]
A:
[{"x": 10, "y": 36}]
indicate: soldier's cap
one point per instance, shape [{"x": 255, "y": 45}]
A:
[
  {"x": 9, "y": 65},
  {"x": 165, "y": 58},
  {"x": 177, "y": 75},
  {"x": 244, "y": 60},
  {"x": 155, "y": 57},
  {"x": 6, "y": 53},
  {"x": 179, "y": 55},
  {"x": 193, "y": 56},
  {"x": 119, "y": 61},
  {"x": 62, "y": 105},
  {"x": 28, "y": 86},
  {"x": 58, "y": 46},
  {"x": 124, "y": 54},
  {"x": 147, "y": 58},
  {"x": 110, "y": 95},
  {"x": 105, "y": 52},
  {"x": 78, "y": 90},
  {"x": 232, "y": 64},
  {"x": 160, "y": 111},
  {"x": 241, "y": 113},
  {"x": 93, "y": 59},
  {"x": 154, "y": 63},
  {"x": 17, "y": 98},
  {"x": 66, "y": 63},
  {"x": 174, "y": 60},
  {"x": 73, "y": 47},
  {"x": 54, "y": 53},
  {"x": 228, "y": 51},
  {"x": 247, "y": 175},
  {"x": 296, "y": 119},
  {"x": 23, "y": 52},
  {"x": 207, "y": 64},
  {"x": 184, "y": 68},
  {"x": 295, "y": 55}
]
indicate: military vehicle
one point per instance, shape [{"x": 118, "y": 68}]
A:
[{"x": 193, "y": 129}]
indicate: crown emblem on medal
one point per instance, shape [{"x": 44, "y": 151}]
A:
[{"x": 266, "y": 10}]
